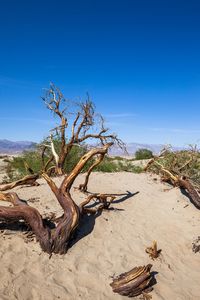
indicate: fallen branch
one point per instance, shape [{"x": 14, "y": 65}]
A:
[
  {"x": 27, "y": 180},
  {"x": 174, "y": 177}
]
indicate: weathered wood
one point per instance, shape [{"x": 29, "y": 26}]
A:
[
  {"x": 180, "y": 181},
  {"x": 83, "y": 186},
  {"x": 55, "y": 239},
  {"x": 27, "y": 180},
  {"x": 153, "y": 251},
  {"x": 186, "y": 184},
  {"x": 21, "y": 211},
  {"x": 133, "y": 283}
]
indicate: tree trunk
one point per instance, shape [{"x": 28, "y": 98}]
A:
[
  {"x": 185, "y": 183},
  {"x": 51, "y": 240},
  {"x": 56, "y": 240},
  {"x": 66, "y": 225}
]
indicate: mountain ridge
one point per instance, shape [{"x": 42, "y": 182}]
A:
[
  {"x": 14, "y": 147},
  {"x": 11, "y": 147}
]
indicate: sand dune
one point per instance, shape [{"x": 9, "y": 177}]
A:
[{"x": 108, "y": 244}]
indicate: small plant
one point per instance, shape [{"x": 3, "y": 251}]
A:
[{"x": 143, "y": 154}]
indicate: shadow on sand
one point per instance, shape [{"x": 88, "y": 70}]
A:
[
  {"x": 85, "y": 227},
  {"x": 87, "y": 222}
]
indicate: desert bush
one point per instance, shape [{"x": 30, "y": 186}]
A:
[
  {"x": 16, "y": 168},
  {"x": 185, "y": 163},
  {"x": 143, "y": 154},
  {"x": 107, "y": 165},
  {"x": 127, "y": 166},
  {"x": 118, "y": 158}
]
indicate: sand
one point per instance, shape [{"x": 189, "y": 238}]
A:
[{"x": 108, "y": 244}]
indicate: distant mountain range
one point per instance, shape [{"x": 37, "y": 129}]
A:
[
  {"x": 133, "y": 147},
  {"x": 9, "y": 147}
]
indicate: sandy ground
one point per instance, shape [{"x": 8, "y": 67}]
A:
[{"x": 109, "y": 244}]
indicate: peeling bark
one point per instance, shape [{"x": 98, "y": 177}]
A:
[{"x": 133, "y": 283}]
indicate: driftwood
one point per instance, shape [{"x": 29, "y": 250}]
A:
[
  {"x": 134, "y": 283},
  {"x": 27, "y": 180}
]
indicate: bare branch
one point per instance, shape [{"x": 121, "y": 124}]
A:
[
  {"x": 83, "y": 187},
  {"x": 27, "y": 180},
  {"x": 68, "y": 181}
]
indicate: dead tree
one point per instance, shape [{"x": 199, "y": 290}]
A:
[
  {"x": 56, "y": 240},
  {"x": 180, "y": 169},
  {"x": 77, "y": 122},
  {"x": 55, "y": 237}
]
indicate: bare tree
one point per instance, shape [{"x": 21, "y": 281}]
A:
[
  {"x": 55, "y": 237},
  {"x": 78, "y": 124}
]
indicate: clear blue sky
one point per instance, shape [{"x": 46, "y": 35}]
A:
[{"x": 138, "y": 59}]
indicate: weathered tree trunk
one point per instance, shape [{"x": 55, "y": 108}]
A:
[
  {"x": 134, "y": 283},
  {"x": 66, "y": 225},
  {"x": 59, "y": 170},
  {"x": 186, "y": 184},
  {"x": 21, "y": 211},
  {"x": 56, "y": 240}
]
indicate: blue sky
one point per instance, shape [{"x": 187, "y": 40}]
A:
[{"x": 138, "y": 59}]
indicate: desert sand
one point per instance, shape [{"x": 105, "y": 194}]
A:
[{"x": 108, "y": 245}]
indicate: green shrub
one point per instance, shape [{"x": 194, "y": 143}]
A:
[
  {"x": 16, "y": 168},
  {"x": 107, "y": 165},
  {"x": 143, "y": 154}
]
